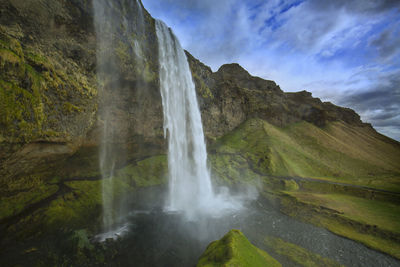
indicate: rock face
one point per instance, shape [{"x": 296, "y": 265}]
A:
[
  {"x": 48, "y": 87},
  {"x": 231, "y": 95}
]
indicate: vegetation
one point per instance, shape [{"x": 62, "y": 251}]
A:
[
  {"x": 334, "y": 153},
  {"x": 235, "y": 250},
  {"x": 33, "y": 88},
  {"x": 76, "y": 203},
  {"x": 335, "y": 165},
  {"x": 297, "y": 254},
  {"x": 371, "y": 222},
  {"x": 383, "y": 215}
]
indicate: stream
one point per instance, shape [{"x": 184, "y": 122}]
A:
[{"x": 158, "y": 238}]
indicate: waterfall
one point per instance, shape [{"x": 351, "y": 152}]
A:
[
  {"x": 113, "y": 22},
  {"x": 190, "y": 188}
]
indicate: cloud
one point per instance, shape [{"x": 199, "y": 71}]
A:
[
  {"x": 343, "y": 51},
  {"x": 387, "y": 42},
  {"x": 379, "y": 104},
  {"x": 356, "y": 6}
]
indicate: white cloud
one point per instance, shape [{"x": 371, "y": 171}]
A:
[{"x": 322, "y": 46}]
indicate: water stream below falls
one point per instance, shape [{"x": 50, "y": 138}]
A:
[{"x": 159, "y": 238}]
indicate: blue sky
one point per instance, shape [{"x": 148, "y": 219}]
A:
[{"x": 343, "y": 51}]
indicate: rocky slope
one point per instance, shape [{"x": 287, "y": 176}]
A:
[
  {"x": 49, "y": 92},
  {"x": 231, "y": 95}
]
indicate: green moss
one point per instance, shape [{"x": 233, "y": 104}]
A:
[
  {"x": 149, "y": 74},
  {"x": 231, "y": 169},
  {"x": 250, "y": 141},
  {"x": 38, "y": 61},
  {"x": 291, "y": 185},
  {"x": 14, "y": 204},
  {"x": 298, "y": 254},
  {"x": 34, "y": 86},
  {"x": 147, "y": 172},
  {"x": 11, "y": 44},
  {"x": 203, "y": 89},
  {"x": 83, "y": 203},
  {"x": 7, "y": 56},
  {"x": 17, "y": 106},
  {"x": 70, "y": 108},
  {"x": 122, "y": 51},
  {"x": 82, "y": 240},
  {"x": 75, "y": 209},
  {"x": 235, "y": 250}
]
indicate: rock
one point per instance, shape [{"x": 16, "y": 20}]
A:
[
  {"x": 49, "y": 92},
  {"x": 231, "y": 96}
]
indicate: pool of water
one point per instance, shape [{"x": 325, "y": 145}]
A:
[{"x": 158, "y": 238}]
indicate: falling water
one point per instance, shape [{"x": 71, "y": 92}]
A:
[
  {"x": 110, "y": 19},
  {"x": 190, "y": 189}
]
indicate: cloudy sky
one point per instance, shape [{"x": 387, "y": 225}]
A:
[{"x": 343, "y": 51}]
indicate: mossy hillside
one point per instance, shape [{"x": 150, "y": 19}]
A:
[
  {"x": 348, "y": 225},
  {"x": 38, "y": 93},
  {"x": 148, "y": 172},
  {"x": 302, "y": 149},
  {"x": 298, "y": 254},
  {"x": 234, "y": 249},
  {"x": 78, "y": 204},
  {"x": 14, "y": 203},
  {"x": 324, "y": 186},
  {"x": 234, "y": 171},
  {"x": 17, "y": 194},
  {"x": 85, "y": 199},
  {"x": 381, "y": 214},
  {"x": 77, "y": 208}
]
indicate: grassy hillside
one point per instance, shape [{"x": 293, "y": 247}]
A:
[
  {"x": 297, "y": 254},
  {"x": 235, "y": 250},
  {"x": 341, "y": 177},
  {"x": 337, "y": 152}
]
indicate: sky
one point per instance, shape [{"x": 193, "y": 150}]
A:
[{"x": 343, "y": 51}]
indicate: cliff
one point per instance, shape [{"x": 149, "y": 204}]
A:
[
  {"x": 50, "y": 97},
  {"x": 231, "y": 95},
  {"x": 49, "y": 91},
  {"x": 51, "y": 124}
]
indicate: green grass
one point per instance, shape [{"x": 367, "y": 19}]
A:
[
  {"x": 371, "y": 222},
  {"x": 337, "y": 152},
  {"x": 381, "y": 244},
  {"x": 297, "y": 254},
  {"x": 384, "y": 215},
  {"x": 234, "y": 249}
]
